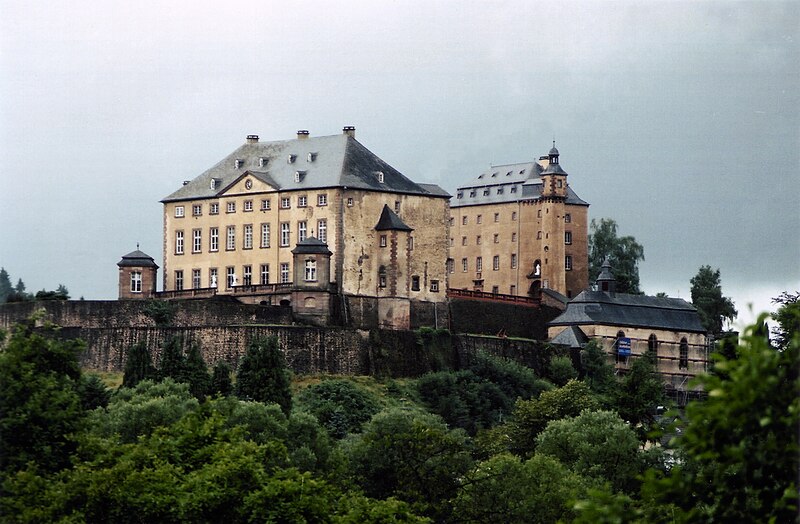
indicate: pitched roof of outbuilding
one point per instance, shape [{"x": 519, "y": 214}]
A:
[
  {"x": 571, "y": 336},
  {"x": 137, "y": 259},
  {"x": 325, "y": 161}
]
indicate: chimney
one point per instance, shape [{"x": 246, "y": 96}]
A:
[
  {"x": 349, "y": 131},
  {"x": 252, "y": 139},
  {"x": 302, "y": 134}
]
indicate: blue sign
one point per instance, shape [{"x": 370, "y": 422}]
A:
[{"x": 624, "y": 346}]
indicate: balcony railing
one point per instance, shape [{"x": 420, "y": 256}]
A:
[{"x": 494, "y": 297}]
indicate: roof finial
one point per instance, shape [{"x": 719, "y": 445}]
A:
[{"x": 137, "y": 246}]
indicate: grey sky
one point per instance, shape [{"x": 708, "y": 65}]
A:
[{"x": 680, "y": 120}]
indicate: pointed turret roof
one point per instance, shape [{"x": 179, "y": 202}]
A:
[{"x": 390, "y": 221}]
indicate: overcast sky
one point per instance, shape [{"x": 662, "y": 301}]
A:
[{"x": 680, "y": 120}]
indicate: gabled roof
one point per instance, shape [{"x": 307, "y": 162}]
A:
[
  {"x": 390, "y": 221},
  {"x": 137, "y": 259},
  {"x": 326, "y": 161},
  {"x": 622, "y": 309},
  {"x": 572, "y": 337}
]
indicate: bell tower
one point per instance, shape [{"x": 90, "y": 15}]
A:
[{"x": 554, "y": 179}]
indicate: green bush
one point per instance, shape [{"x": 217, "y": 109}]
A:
[{"x": 340, "y": 405}]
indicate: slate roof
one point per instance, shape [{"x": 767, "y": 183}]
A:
[
  {"x": 572, "y": 337},
  {"x": 327, "y": 161},
  {"x": 311, "y": 246},
  {"x": 390, "y": 221},
  {"x": 137, "y": 259},
  {"x": 622, "y": 309}
]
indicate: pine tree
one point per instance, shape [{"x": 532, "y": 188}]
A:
[
  {"x": 5, "y": 285},
  {"x": 263, "y": 375},
  {"x": 221, "y": 383},
  {"x": 138, "y": 365},
  {"x": 173, "y": 363},
  {"x": 196, "y": 372}
]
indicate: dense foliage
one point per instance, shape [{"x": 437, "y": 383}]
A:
[
  {"x": 624, "y": 254},
  {"x": 714, "y": 308}
]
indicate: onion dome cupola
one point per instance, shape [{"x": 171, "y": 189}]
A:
[{"x": 554, "y": 178}]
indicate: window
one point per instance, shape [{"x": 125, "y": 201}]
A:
[
  {"x": 434, "y": 286},
  {"x": 213, "y": 209},
  {"x": 286, "y": 203},
  {"x": 231, "y": 238},
  {"x": 514, "y": 215},
  {"x": 652, "y": 344},
  {"x": 265, "y": 235},
  {"x": 178, "y": 211},
  {"x": 499, "y": 190},
  {"x": 349, "y": 201},
  {"x": 478, "y": 264},
  {"x": 411, "y": 243},
  {"x": 568, "y": 237},
  {"x": 396, "y": 206},
  {"x": 213, "y": 235},
  {"x": 248, "y": 205},
  {"x": 513, "y": 189},
  {"x": 322, "y": 199},
  {"x": 136, "y": 281},
  {"x": 231, "y": 207},
  {"x": 265, "y": 204},
  {"x": 195, "y": 279},
  {"x": 302, "y": 230},
  {"x": 496, "y": 238},
  {"x": 472, "y": 194},
  {"x": 415, "y": 283},
  {"x": 451, "y": 265},
  {"x": 568, "y": 262},
  {"x": 451, "y": 242},
  {"x": 264, "y": 274},
  {"x": 478, "y": 240},
  {"x": 495, "y": 290},
  {"x": 178, "y": 242},
  {"x": 322, "y": 230},
  {"x": 247, "y": 275},
  {"x": 311, "y": 271},
  {"x": 197, "y": 210},
  {"x": 179, "y": 280},
  {"x": 464, "y": 221},
  {"x": 284, "y": 272},
  {"x": 463, "y": 241},
  {"x": 497, "y": 217},
  {"x": 382, "y": 276},
  {"x": 248, "y": 236},
  {"x": 383, "y": 241},
  {"x": 513, "y": 260},
  {"x": 513, "y": 237},
  {"x": 464, "y": 265},
  {"x": 683, "y": 359},
  {"x": 513, "y": 290},
  {"x": 539, "y": 213},
  {"x": 538, "y": 235},
  {"x": 460, "y": 195},
  {"x": 567, "y": 218},
  {"x": 479, "y": 219},
  {"x": 197, "y": 240},
  {"x": 486, "y": 192},
  {"x": 212, "y": 277},
  {"x": 496, "y": 263},
  {"x": 230, "y": 277},
  {"x": 285, "y": 234},
  {"x": 302, "y": 201},
  {"x": 559, "y": 183}
]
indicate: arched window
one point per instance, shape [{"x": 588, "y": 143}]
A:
[
  {"x": 652, "y": 344},
  {"x": 683, "y": 359},
  {"x": 382, "y": 276},
  {"x": 621, "y": 356}
]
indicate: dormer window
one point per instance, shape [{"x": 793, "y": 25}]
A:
[
  {"x": 472, "y": 194},
  {"x": 460, "y": 194},
  {"x": 379, "y": 174},
  {"x": 238, "y": 163},
  {"x": 513, "y": 189},
  {"x": 486, "y": 192},
  {"x": 481, "y": 176},
  {"x": 299, "y": 175},
  {"x": 312, "y": 157},
  {"x": 508, "y": 174},
  {"x": 494, "y": 175},
  {"x": 215, "y": 182},
  {"x": 262, "y": 161},
  {"x": 291, "y": 158}
]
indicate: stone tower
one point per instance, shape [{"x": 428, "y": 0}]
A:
[{"x": 137, "y": 276}]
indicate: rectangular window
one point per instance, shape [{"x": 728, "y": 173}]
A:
[
  {"x": 311, "y": 271},
  {"x": 567, "y": 218},
  {"x": 213, "y": 209},
  {"x": 486, "y": 192},
  {"x": 568, "y": 262},
  {"x": 451, "y": 265},
  {"x": 383, "y": 241},
  {"x": 513, "y": 260},
  {"x": 212, "y": 277},
  {"x": 452, "y": 221},
  {"x": 382, "y": 277},
  {"x": 213, "y": 235},
  {"x": 265, "y": 205},
  {"x": 197, "y": 240},
  {"x": 513, "y": 290},
  {"x": 568, "y": 237},
  {"x": 231, "y": 238},
  {"x": 513, "y": 215},
  {"x": 322, "y": 199},
  {"x": 496, "y": 238},
  {"x": 496, "y": 263},
  {"x": 197, "y": 210},
  {"x": 248, "y": 236},
  {"x": 396, "y": 206},
  {"x": 248, "y": 205},
  {"x": 136, "y": 281},
  {"x": 286, "y": 203},
  {"x": 411, "y": 243},
  {"x": 463, "y": 241},
  {"x": 495, "y": 290},
  {"x": 247, "y": 275},
  {"x": 264, "y": 274},
  {"x": 349, "y": 201},
  {"x": 479, "y": 264},
  {"x": 478, "y": 240},
  {"x": 302, "y": 201},
  {"x": 178, "y": 211},
  {"x": 322, "y": 230},
  {"x": 302, "y": 230},
  {"x": 179, "y": 280},
  {"x": 284, "y": 272},
  {"x": 499, "y": 190},
  {"x": 265, "y": 235},
  {"x": 464, "y": 265},
  {"x": 285, "y": 234},
  {"x": 178, "y": 242},
  {"x": 497, "y": 217},
  {"x": 451, "y": 242},
  {"x": 464, "y": 221},
  {"x": 195, "y": 279},
  {"x": 231, "y": 207},
  {"x": 434, "y": 286},
  {"x": 513, "y": 189},
  {"x": 415, "y": 283},
  {"x": 479, "y": 219},
  {"x": 513, "y": 237},
  {"x": 230, "y": 277}
]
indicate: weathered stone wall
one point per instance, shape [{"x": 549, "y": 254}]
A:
[
  {"x": 531, "y": 353},
  {"x": 491, "y": 318}
]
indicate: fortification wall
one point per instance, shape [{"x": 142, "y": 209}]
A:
[{"x": 491, "y": 318}]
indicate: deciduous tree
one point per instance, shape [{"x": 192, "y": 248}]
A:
[
  {"x": 713, "y": 307},
  {"x": 624, "y": 253}
]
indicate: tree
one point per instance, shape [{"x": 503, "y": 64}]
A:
[
  {"x": 263, "y": 376},
  {"x": 598, "y": 373},
  {"x": 221, "y": 383},
  {"x": 195, "y": 372},
  {"x": 5, "y": 285},
  {"x": 560, "y": 370},
  {"x": 707, "y": 297},
  {"x": 138, "y": 365},
  {"x": 341, "y": 406},
  {"x": 624, "y": 253},
  {"x": 93, "y": 392},
  {"x": 639, "y": 393},
  {"x": 788, "y": 318},
  {"x": 173, "y": 362}
]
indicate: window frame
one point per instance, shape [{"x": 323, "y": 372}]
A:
[{"x": 230, "y": 238}]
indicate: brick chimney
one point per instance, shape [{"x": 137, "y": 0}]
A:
[
  {"x": 302, "y": 134},
  {"x": 252, "y": 139},
  {"x": 349, "y": 131}
]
